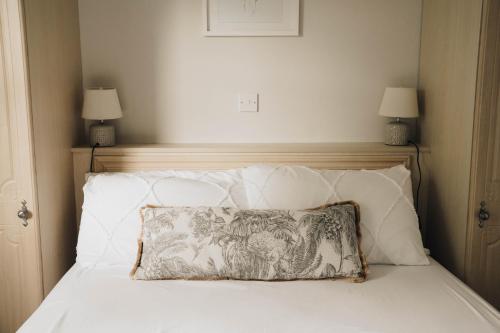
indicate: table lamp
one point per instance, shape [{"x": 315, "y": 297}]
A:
[
  {"x": 398, "y": 103},
  {"x": 101, "y": 104}
]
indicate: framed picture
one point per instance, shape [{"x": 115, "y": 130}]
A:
[{"x": 251, "y": 17}]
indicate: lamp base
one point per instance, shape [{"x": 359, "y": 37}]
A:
[
  {"x": 396, "y": 134},
  {"x": 102, "y": 134}
]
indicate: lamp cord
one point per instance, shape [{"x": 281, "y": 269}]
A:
[
  {"x": 419, "y": 177},
  {"x": 92, "y": 157}
]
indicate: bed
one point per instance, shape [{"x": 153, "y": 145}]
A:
[
  {"x": 393, "y": 299},
  {"x": 97, "y": 294}
]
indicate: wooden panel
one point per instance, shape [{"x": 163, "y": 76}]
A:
[
  {"x": 448, "y": 70},
  {"x": 483, "y": 244},
  {"x": 21, "y": 287},
  {"x": 53, "y": 41},
  {"x": 226, "y": 156}
]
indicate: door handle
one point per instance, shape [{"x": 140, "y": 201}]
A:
[
  {"x": 24, "y": 214},
  {"x": 484, "y": 215}
]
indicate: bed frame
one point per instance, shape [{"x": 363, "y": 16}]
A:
[{"x": 227, "y": 156}]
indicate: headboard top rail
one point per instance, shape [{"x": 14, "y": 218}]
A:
[{"x": 304, "y": 148}]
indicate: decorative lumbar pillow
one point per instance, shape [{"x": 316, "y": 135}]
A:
[
  {"x": 210, "y": 243},
  {"x": 389, "y": 224}
]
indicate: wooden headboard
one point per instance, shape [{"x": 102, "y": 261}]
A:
[{"x": 226, "y": 156}]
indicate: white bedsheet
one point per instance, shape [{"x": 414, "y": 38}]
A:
[{"x": 394, "y": 299}]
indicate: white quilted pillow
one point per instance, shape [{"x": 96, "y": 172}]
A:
[
  {"x": 389, "y": 224},
  {"x": 110, "y": 222}
]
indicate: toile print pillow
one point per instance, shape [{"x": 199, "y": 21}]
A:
[{"x": 210, "y": 243}]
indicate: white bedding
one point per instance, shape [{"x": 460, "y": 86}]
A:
[{"x": 394, "y": 299}]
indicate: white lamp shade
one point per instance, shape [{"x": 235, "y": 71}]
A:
[
  {"x": 101, "y": 104},
  {"x": 399, "y": 103}
]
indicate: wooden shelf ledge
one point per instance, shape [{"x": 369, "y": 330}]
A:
[{"x": 340, "y": 148}]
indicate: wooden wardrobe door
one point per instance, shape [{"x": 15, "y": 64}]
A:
[
  {"x": 20, "y": 263},
  {"x": 483, "y": 255}
]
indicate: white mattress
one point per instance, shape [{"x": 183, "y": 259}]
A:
[{"x": 394, "y": 299}]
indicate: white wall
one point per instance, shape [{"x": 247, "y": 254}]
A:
[{"x": 178, "y": 86}]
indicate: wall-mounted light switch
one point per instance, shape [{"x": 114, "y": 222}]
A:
[{"x": 248, "y": 102}]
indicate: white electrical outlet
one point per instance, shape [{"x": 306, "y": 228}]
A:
[{"x": 248, "y": 102}]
